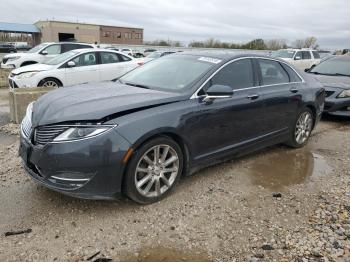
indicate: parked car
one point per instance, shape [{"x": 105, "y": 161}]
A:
[
  {"x": 74, "y": 67},
  {"x": 334, "y": 74},
  {"x": 7, "y": 48},
  {"x": 157, "y": 54},
  {"x": 138, "y": 55},
  {"x": 165, "y": 119},
  {"x": 40, "y": 54},
  {"x": 149, "y": 51},
  {"x": 300, "y": 58},
  {"x": 127, "y": 51}
]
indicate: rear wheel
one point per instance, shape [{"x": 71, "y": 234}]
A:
[
  {"x": 302, "y": 129},
  {"x": 154, "y": 170}
]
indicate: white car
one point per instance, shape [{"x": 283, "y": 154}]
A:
[
  {"x": 40, "y": 54},
  {"x": 300, "y": 58},
  {"x": 74, "y": 67}
]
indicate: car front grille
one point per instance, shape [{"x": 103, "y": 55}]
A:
[
  {"x": 26, "y": 126},
  {"x": 46, "y": 134},
  {"x": 329, "y": 93},
  {"x": 4, "y": 60}
]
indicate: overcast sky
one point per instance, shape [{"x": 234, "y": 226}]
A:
[{"x": 227, "y": 20}]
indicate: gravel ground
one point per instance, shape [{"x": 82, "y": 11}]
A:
[{"x": 275, "y": 205}]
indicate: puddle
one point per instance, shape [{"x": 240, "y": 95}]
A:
[
  {"x": 162, "y": 254},
  {"x": 276, "y": 170}
]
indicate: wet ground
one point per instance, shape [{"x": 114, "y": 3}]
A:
[{"x": 243, "y": 209}]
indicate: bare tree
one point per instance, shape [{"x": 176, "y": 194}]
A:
[
  {"x": 310, "y": 42},
  {"x": 275, "y": 44}
]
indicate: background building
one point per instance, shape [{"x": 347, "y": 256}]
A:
[{"x": 55, "y": 31}]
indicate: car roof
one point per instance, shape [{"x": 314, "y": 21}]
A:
[{"x": 224, "y": 55}]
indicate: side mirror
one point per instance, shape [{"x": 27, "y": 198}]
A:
[
  {"x": 44, "y": 52},
  {"x": 218, "y": 91},
  {"x": 297, "y": 58},
  {"x": 71, "y": 64}
]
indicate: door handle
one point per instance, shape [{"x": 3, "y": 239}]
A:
[
  {"x": 253, "y": 97},
  {"x": 294, "y": 90}
]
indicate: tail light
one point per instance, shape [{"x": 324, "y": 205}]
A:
[{"x": 140, "y": 63}]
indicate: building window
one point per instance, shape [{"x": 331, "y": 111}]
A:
[
  {"x": 137, "y": 36},
  {"x": 118, "y": 35},
  {"x": 127, "y": 35},
  {"x": 106, "y": 34}
]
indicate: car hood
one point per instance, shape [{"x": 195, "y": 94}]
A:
[
  {"x": 342, "y": 82},
  {"x": 95, "y": 101},
  {"x": 15, "y": 54},
  {"x": 32, "y": 68}
]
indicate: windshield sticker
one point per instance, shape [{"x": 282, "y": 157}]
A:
[{"x": 210, "y": 60}]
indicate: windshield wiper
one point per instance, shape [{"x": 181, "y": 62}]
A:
[
  {"x": 137, "y": 85},
  {"x": 339, "y": 74}
]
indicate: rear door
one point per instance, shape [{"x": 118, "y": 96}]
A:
[
  {"x": 280, "y": 93},
  {"x": 86, "y": 69},
  {"x": 111, "y": 66},
  {"x": 226, "y": 124}
]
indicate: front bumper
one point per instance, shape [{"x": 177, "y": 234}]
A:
[
  {"x": 14, "y": 82},
  {"x": 7, "y": 66},
  {"x": 89, "y": 168},
  {"x": 336, "y": 106}
]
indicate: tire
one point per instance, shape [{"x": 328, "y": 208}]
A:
[
  {"x": 302, "y": 128},
  {"x": 50, "y": 82},
  {"x": 143, "y": 176}
]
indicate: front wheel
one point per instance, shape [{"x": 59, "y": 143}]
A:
[
  {"x": 154, "y": 170},
  {"x": 302, "y": 129},
  {"x": 49, "y": 82}
]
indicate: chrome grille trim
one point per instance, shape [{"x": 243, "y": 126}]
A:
[
  {"x": 26, "y": 126},
  {"x": 47, "y": 134}
]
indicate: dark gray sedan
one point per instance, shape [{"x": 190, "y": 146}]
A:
[
  {"x": 334, "y": 74},
  {"x": 163, "y": 120}
]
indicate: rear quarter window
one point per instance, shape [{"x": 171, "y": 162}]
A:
[
  {"x": 316, "y": 55},
  {"x": 292, "y": 74}
]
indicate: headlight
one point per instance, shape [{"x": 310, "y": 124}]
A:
[
  {"x": 26, "y": 75},
  {"x": 80, "y": 132},
  {"x": 345, "y": 93},
  {"x": 13, "y": 58}
]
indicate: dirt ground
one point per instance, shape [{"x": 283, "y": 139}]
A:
[{"x": 275, "y": 205}]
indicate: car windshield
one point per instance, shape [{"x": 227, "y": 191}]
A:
[
  {"x": 284, "y": 54},
  {"x": 37, "y": 48},
  {"x": 154, "y": 55},
  {"x": 170, "y": 73},
  {"x": 61, "y": 58},
  {"x": 335, "y": 66}
]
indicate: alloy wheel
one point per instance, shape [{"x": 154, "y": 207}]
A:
[
  {"x": 50, "y": 83},
  {"x": 157, "y": 170},
  {"x": 303, "y": 128}
]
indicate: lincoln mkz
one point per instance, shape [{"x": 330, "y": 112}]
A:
[{"x": 138, "y": 135}]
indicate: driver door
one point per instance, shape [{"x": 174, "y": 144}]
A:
[
  {"x": 227, "y": 124},
  {"x": 86, "y": 69},
  {"x": 50, "y": 52}
]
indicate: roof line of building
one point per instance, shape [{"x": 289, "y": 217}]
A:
[{"x": 81, "y": 23}]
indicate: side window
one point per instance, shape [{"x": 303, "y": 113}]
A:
[
  {"x": 298, "y": 55},
  {"x": 123, "y": 58},
  {"x": 84, "y": 46},
  {"x": 305, "y": 55},
  {"x": 109, "y": 58},
  {"x": 316, "y": 55},
  {"x": 85, "y": 60},
  {"x": 236, "y": 75},
  {"x": 53, "y": 49},
  {"x": 272, "y": 72},
  {"x": 292, "y": 75}
]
